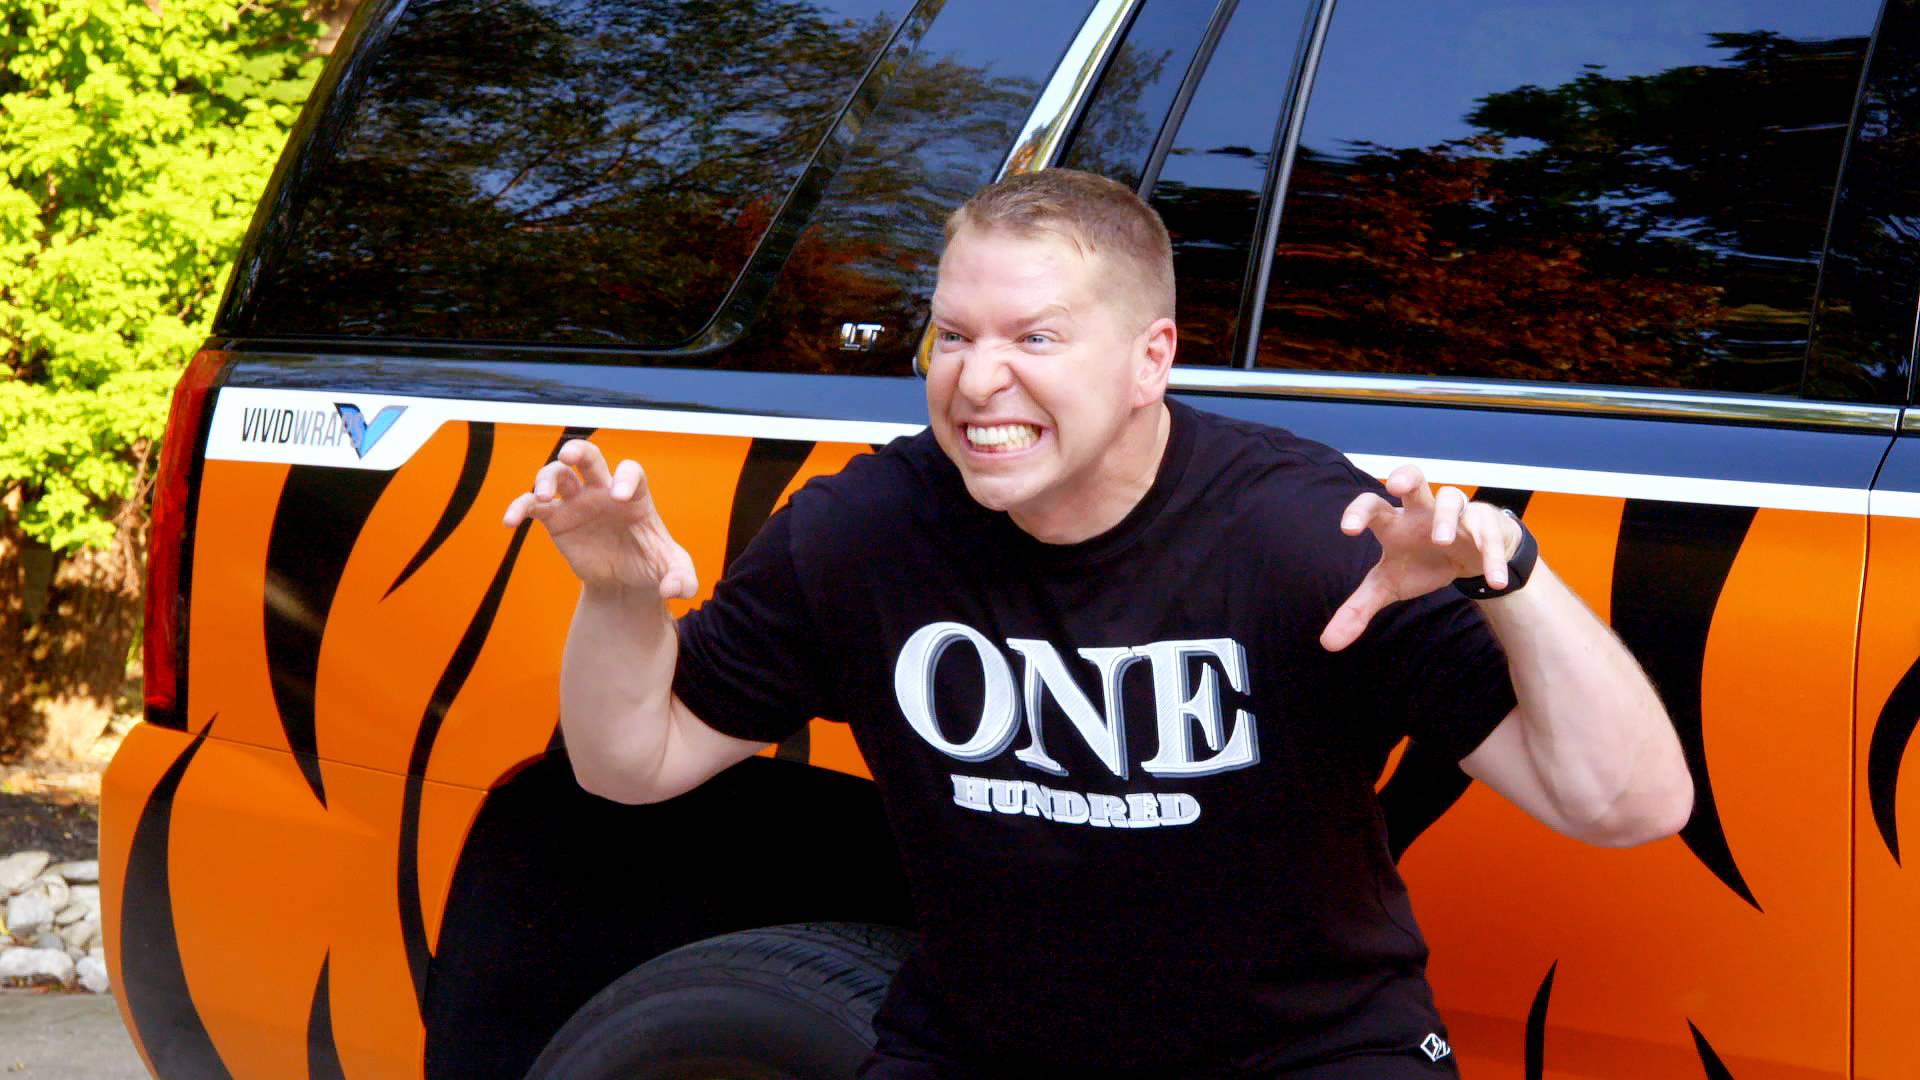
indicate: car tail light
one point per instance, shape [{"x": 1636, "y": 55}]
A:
[{"x": 167, "y": 539}]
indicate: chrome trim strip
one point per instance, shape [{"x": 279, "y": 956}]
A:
[
  {"x": 1065, "y": 93},
  {"x": 1660, "y": 404},
  {"x": 1253, "y": 296},
  {"x": 1910, "y": 419}
]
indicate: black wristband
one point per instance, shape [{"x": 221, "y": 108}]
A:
[{"x": 1519, "y": 568}]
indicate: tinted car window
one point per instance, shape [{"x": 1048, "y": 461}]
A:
[
  {"x": 590, "y": 171},
  {"x": 1628, "y": 193},
  {"x": 1210, "y": 186}
]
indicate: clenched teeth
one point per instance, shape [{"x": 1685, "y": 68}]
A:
[{"x": 1002, "y": 436}]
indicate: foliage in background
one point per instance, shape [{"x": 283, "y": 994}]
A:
[{"x": 134, "y": 141}]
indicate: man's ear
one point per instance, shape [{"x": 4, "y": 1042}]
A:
[{"x": 1155, "y": 362}]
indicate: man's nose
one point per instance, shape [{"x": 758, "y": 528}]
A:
[{"x": 983, "y": 373}]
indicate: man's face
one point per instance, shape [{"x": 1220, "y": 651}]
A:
[{"x": 1040, "y": 379}]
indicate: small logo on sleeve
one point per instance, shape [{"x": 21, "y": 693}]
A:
[{"x": 1435, "y": 1047}]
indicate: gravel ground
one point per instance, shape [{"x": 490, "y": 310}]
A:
[
  {"x": 53, "y": 805},
  {"x": 65, "y": 1037},
  {"x": 64, "y": 827}
]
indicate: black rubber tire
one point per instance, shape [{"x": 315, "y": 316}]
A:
[{"x": 779, "y": 1003}]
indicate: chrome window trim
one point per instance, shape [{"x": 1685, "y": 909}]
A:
[
  {"x": 1910, "y": 419},
  {"x": 1607, "y": 401},
  {"x": 1273, "y": 201},
  {"x": 1067, "y": 92}
]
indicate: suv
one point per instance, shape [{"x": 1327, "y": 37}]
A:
[{"x": 1645, "y": 272}]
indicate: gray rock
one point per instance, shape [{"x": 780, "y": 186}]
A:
[
  {"x": 93, "y": 974},
  {"x": 79, "y": 873},
  {"x": 70, "y": 914},
  {"x": 59, "y": 893},
  {"x": 88, "y": 895},
  {"x": 18, "y": 869},
  {"x": 28, "y": 914},
  {"x": 32, "y": 964},
  {"x": 48, "y": 939},
  {"x": 81, "y": 935}
]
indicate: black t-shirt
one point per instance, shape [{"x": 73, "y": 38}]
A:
[{"x": 1133, "y": 794}]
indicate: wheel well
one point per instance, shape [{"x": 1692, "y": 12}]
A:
[{"x": 557, "y": 893}]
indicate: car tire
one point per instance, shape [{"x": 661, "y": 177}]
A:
[{"x": 778, "y": 1003}]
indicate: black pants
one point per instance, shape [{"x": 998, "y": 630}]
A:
[
  {"x": 914, "y": 1044},
  {"x": 1402, "y": 1066}
]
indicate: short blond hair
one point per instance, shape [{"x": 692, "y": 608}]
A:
[{"x": 1095, "y": 214}]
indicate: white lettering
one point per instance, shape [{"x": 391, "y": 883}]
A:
[
  {"x": 1143, "y": 810},
  {"x": 1105, "y": 737},
  {"x": 1069, "y": 807},
  {"x": 1177, "y": 710},
  {"x": 1178, "y": 808},
  {"x": 1179, "y": 704},
  {"x": 1024, "y": 798},
  {"x": 970, "y": 792},
  {"x": 1102, "y": 809},
  {"x": 1006, "y": 795},
  {"x": 913, "y": 676}
]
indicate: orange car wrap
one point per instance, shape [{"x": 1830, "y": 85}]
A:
[
  {"x": 373, "y": 687},
  {"x": 1886, "y": 952}
]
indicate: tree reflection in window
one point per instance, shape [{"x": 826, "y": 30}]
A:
[
  {"x": 587, "y": 171},
  {"x": 1656, "y": 229}
]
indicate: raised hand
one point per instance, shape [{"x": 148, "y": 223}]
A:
[
  {"x": 1425, "y": 543},
  {"x": 605, "y": 523}
]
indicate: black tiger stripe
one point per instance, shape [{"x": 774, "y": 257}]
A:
[
  {"x": 1888, "y": 748},
  {"x": 413, "y": 922},
  {"x": 1513, "y": 499},
  {"x": 156, "y": 993},
  {"x": 1536, "y": 1047},
  {"x": 1710, "y": 1062},
  {"x": 770, "y": 466},
  {"x": 473, "y": 472},
  {"x": 1668, "y": 572},
  {"x": 323, "y": 1054},
  {"x": 316, "y": 524}
]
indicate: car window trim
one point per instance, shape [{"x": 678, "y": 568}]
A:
[
  {"x": 1280, "y": 159},
  {"x": 1536, "y": 397},
  {"x": 1058, "y": 108},
  {"x": 1183, "y": 97}
]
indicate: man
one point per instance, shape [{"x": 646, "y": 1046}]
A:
[{"x": 1156, "y": 847}]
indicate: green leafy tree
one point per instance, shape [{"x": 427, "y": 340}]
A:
[{"x": 134, "y": 140}]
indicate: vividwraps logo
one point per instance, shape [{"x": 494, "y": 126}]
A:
[{"x": 317, "y": 427}]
